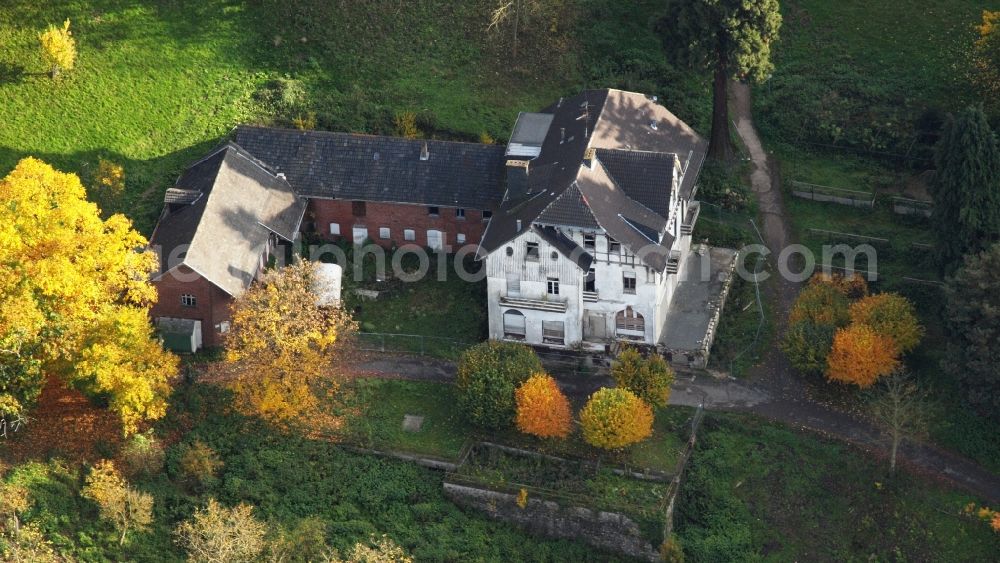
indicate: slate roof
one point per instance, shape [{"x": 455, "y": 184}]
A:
[
  {"x": 322, "y": 164},
  {"x": 608, "y": 162},
  {"x": 566, "y": 246},
  {"x": 223, "y": 233}
]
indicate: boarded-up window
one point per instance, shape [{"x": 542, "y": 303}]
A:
[
  {"x": 630, "y": 324},
  {"x": 334, "y": 228},
  {"x": 513, "y": 324},
  {"x": 358, "y": 208},
  {"x": 554, "y": 332},
  {"x": 513, "y": 285}
]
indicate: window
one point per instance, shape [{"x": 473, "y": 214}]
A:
[
  {"x": 460, "y": 213},
  {"x": 554, "y": 256},
  {"x": 189, "y": 300},
  {"x": 384, "y": 233},
  {"x": 510, "y": 251},
  {"x": 460, "y": 238},
  {"x": 532, "y": 253},
  {"x": 222, "y": 327},
  {"x": 513, "y": 324},
  {"x": 614, "y": 247},
  {"x": 513, "y": 285},
  {"x": 628, "y": 282},
  {"x": 409, "y": 234},
  {"x": 358, "y": 208},
  {"x": 433, "y": 211},
  {"x": 487, "y": 214},
  {"x": 359, "y": 234},
  {"x": 334, "y": 228},
  {"x": 589, "y": 242},
  {"x": 554, "y": 332},
  {"x": 553, "y": 286},
  {"x": 590, "y": 282}
]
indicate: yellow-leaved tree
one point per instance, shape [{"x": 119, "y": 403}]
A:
[
  {"x": 58, "y": 48},
  {"x": 282, "y": 343},
  {"x": 75, "y": 296}
]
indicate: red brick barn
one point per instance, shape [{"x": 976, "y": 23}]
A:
[
  {"x": 389, "y": 190},
  {"x": 219, "y": 225}
]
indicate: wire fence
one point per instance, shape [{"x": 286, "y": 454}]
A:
[{"x": 842, "y": 196}]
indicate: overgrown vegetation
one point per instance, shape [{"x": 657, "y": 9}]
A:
[
  {"x": 287, "y": 478},
  {"x": 758, "y": 490}
]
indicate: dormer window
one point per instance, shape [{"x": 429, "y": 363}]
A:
[
  {"x": 532, "y": 252},
  {"x": 614, "y": 247},
  {"x": 589, "y": 242}
]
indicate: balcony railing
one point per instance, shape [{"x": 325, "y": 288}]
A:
[
  {"x": 674, "y": 262},
  {"x": 691, "y": 218},
  {"x": 534, "y": 304}
]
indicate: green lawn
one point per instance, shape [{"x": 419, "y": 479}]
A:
[
  {"x": 756, "y": 490},
  {"x": 158, "y": 82},
  {"x": 375, "y": 410},
  {"x": 862, "y": 74}
]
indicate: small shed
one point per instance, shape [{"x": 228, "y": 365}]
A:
[
  {"x": 180, "y": 335},
  {"x": 327, "y": 284}
]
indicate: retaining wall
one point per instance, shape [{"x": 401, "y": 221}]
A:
[{"x": 607, "y": 530}]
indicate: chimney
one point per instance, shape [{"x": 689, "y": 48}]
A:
[
  {"x": 425, "y": 153},
  {"x": 519, "y": 225},
  {"x": 590, "y": 157}
]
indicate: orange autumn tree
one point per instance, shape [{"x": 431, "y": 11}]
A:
[
  {"x": 860, "y": 355},
  {"x": 542, "y": 409},
  {"x": 892, "y": 315}
]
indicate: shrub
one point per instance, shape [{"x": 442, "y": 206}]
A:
[
  {"x": 807, "y": 346},
  {"x": 199, "y": 464},
  {"x": 615, "y": 418},
  {"x": 821, "y": 302},
  {"x": 109, "y": 185},
  {"x": 58, "y": 48},
  {"x": 860, "y": 355},
  {"x": 542, "y": 409},
  {"x": 890, "y": 314},
  {"x": 126, "y": 508},
  {"x": 405, "y": 124},
  {"x": 650, "y": 379},
  {"x": 488, "y": 375},
  {"x": 143, "y": 455},
  {"x": 222, "y": 535},
  {"x": 380, "y": 550}
]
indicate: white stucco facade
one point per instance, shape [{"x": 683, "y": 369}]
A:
[{"x": 609, "y": 308}]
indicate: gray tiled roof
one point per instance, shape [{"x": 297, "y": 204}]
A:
[
  {"x": 322, "y": 164},
  {"x": 223, "y": 234},
  {"x": 646, "y": 177},
  {"x": 569, "y": 209},
  {"x": 626, "y": 192}
]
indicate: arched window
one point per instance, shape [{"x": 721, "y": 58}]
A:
[
  {"x": 629, "y": 324},
  {"x": 513, "y": 324}
]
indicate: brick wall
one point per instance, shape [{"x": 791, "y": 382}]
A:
[
  {"x": 211, "y": 303},
  {"x": 396, "y": 217}
]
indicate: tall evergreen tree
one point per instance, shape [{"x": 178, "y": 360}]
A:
[
  {"x": 966, "y": 187},
  {"x": 973, "y": 323},
  {"x": 733, "y": 38}
]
